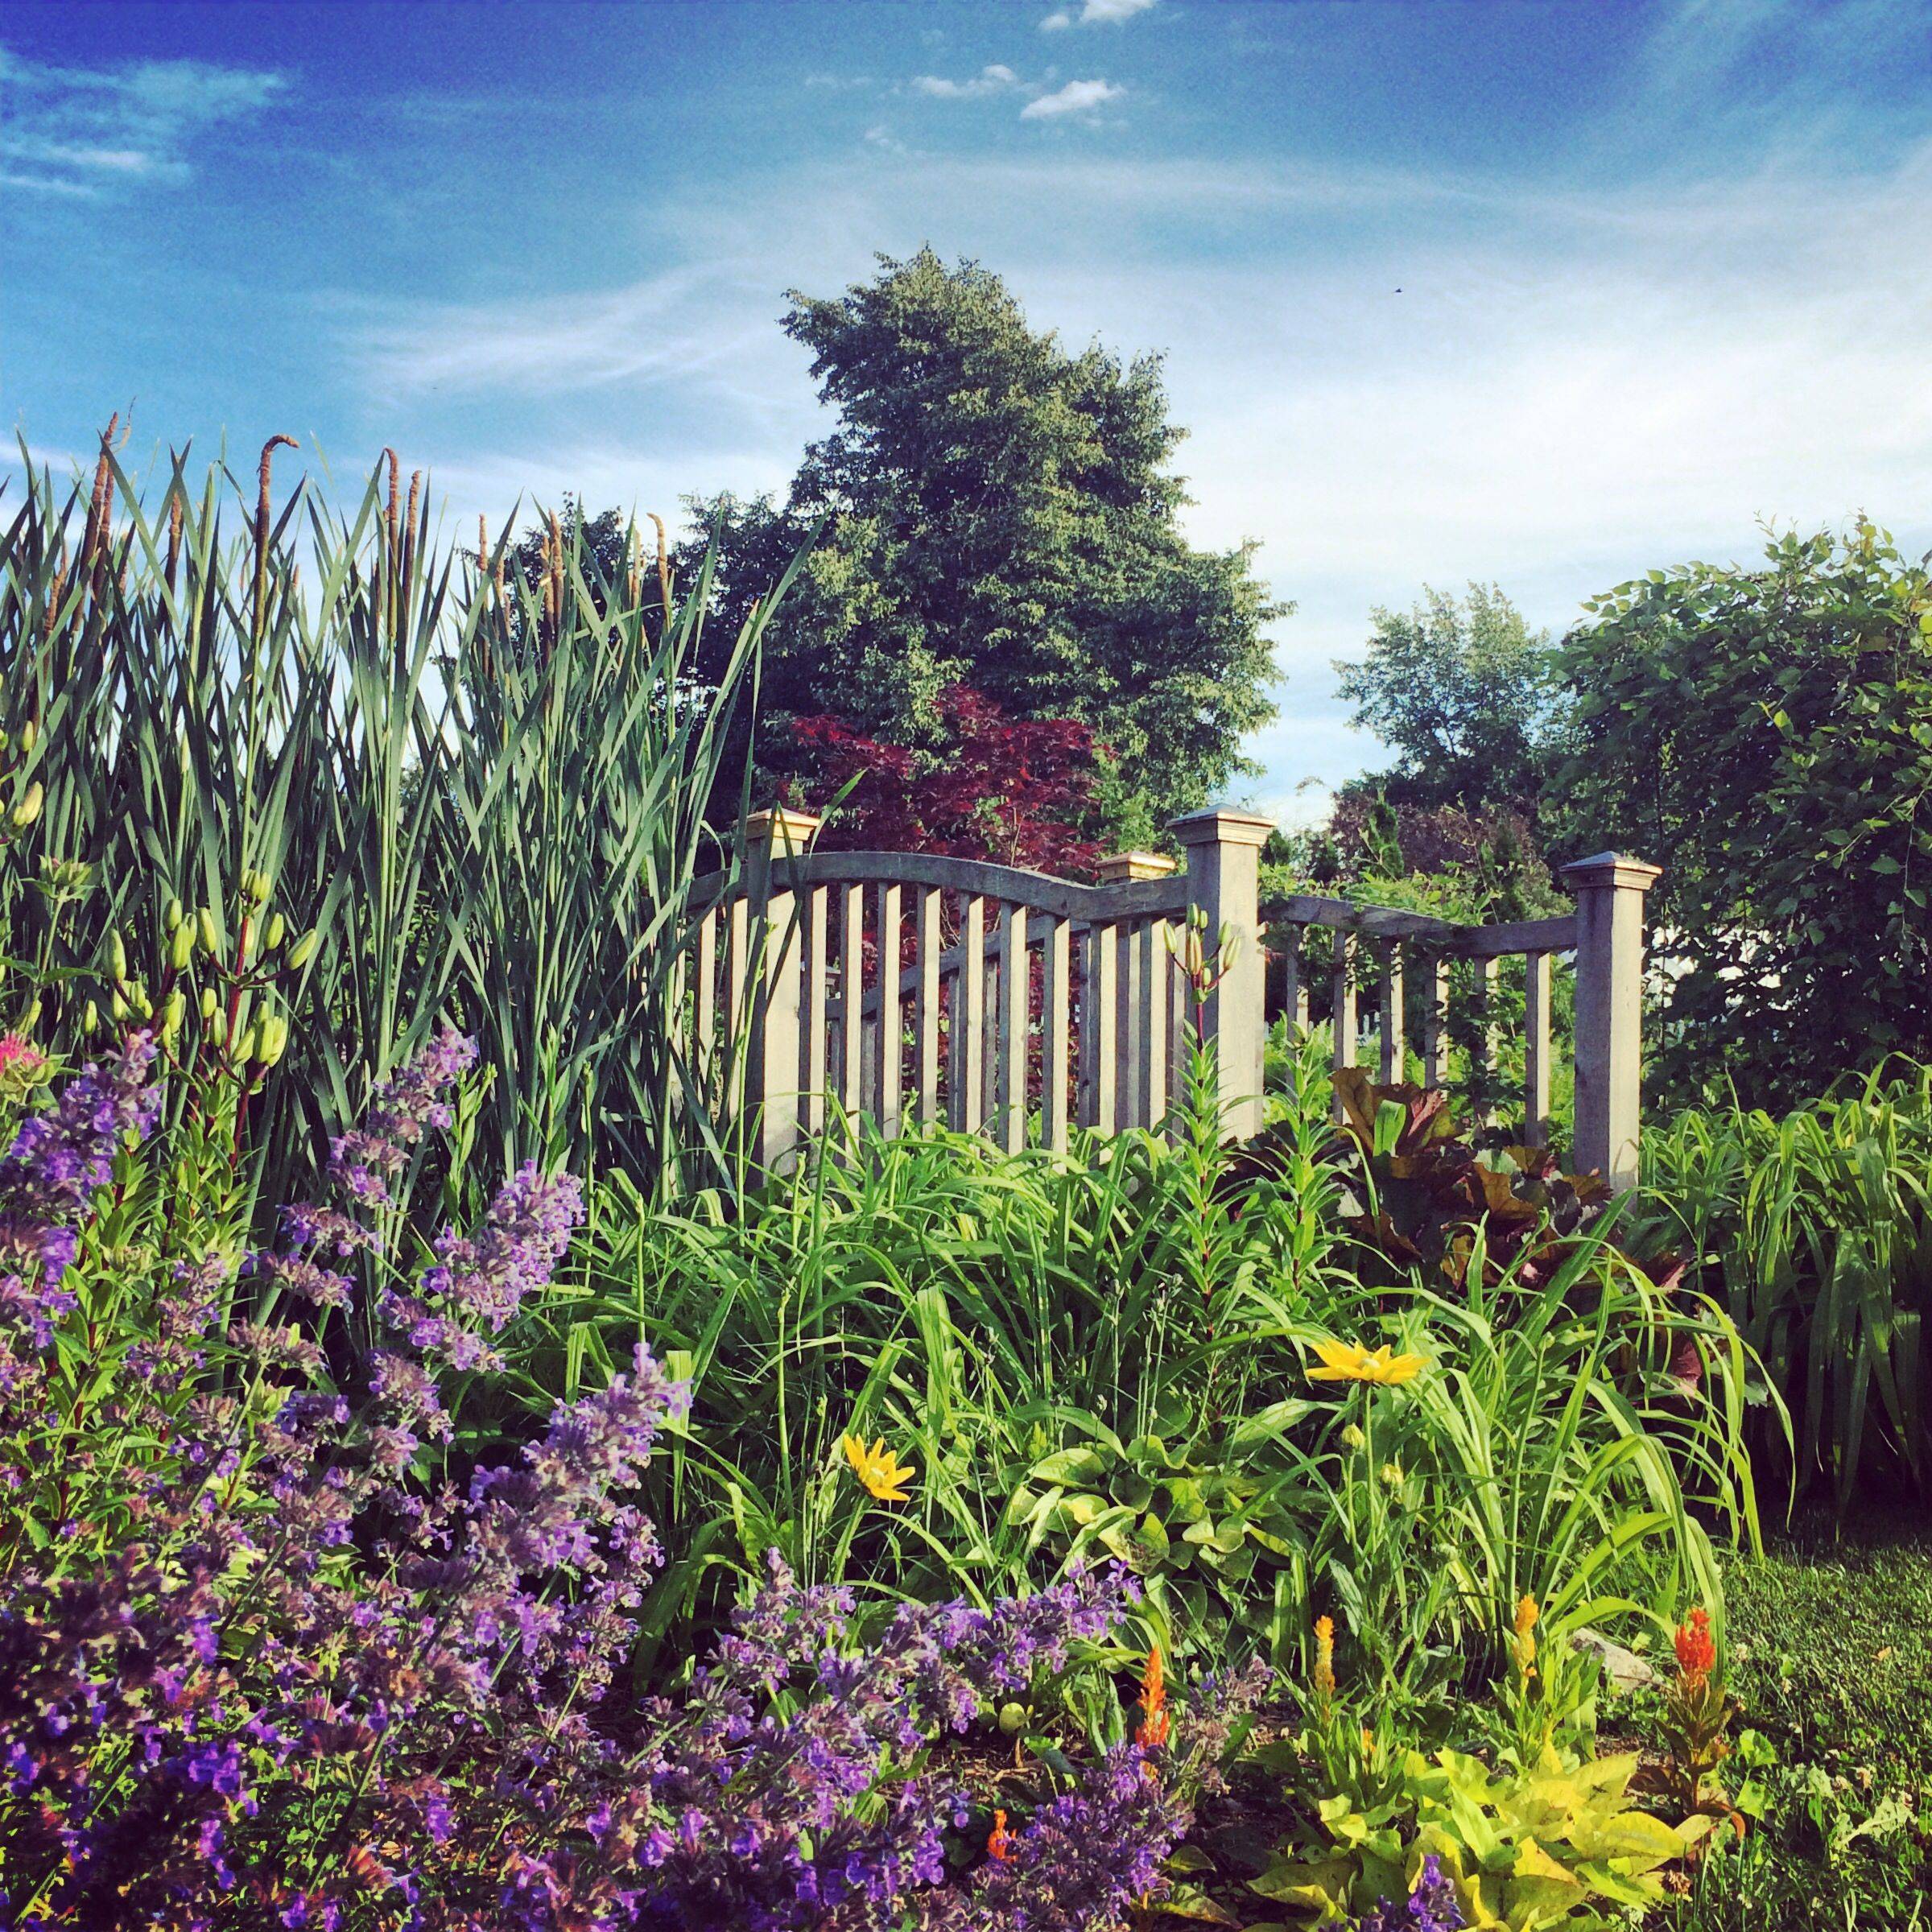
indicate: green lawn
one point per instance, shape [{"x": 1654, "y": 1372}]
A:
[{"x": 1832, "y": 1657}]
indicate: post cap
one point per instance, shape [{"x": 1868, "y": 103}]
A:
[
  {"x": 780, "y": 826},
  {"x": 1122, "y": 865},
  {"x": 1221, "y": 825},
  {"x": 1615, "y": 869}
]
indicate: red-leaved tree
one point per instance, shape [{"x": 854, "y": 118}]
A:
[{"x": 1017, "y": 791}]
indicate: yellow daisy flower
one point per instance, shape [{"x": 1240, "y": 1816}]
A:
[
  {"x": 878, "y": 1468},
  {"x": 1350, "y": 1362}
]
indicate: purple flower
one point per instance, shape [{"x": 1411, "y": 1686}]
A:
[{"x": 1431, "y": 1907}]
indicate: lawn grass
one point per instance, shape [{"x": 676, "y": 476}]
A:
[{"x": 1831, "y": 1648}]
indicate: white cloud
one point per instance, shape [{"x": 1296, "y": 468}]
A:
[
  {"x": 993, "y": 80},
  {"x": 1075, "y": 98},
  {"x": 75, "y": 129},
  {"x": 1094, "y": 13}
]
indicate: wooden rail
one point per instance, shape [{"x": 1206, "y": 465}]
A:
[{"x": 914, "y": 988}]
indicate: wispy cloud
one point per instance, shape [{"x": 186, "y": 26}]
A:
[
  {"x": 1075, "y": 98},
  {"x": 80, "y": 130},
  {"x": 991, "y": 80},
  {"x": 1093, "y": 13}
]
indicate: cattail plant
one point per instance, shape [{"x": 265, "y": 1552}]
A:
[{"x": 465, "y": 823}]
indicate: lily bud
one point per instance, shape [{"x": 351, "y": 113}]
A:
[
  {"x": 172, "y": 919},
  {"x": 304, "y": 949},
  {"x": 117, "y": 1006},
  {"x": 174, "y": 1012},
  {"x": 277, "y": 931},
  {"x": 90, "y": 1017},
  {"x": 30, "y": 735},
  {"x": 218, "y": 1027},
  {"x": 208, "y": 1002},
  {"x": 116, "y": 955},
  {"x": 255, "y": 885},
  {"x": 271, "y": 1039},
  {"x": 181, "y": 947},
  {"x": 210, "y": 933},
  {"x": 24, "y": 814},
  {"x": 244, "y": 1047}
]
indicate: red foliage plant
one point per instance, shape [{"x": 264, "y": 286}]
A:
[{"x": 1017, "y": 791}]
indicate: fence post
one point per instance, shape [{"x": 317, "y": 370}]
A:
[
  {"x": 1140, "y": 1082},
  {"x": 772, "y": 1069},
  {"x": 1224, "y": 851},
  {"x": 1609, "y": 890}
]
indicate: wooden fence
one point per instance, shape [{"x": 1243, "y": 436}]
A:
[{"x": 914, "y": 989}]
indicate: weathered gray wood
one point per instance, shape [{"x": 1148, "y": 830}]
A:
[
  {"x": 1609, "y": 890},
  {"x": 818, "y": 1006},
  {"x": 1489, "y": 974},
  {"x": 1437, "y": 935},
  {"x": 704, "y": 1007},
  {"x": 1152, "y": 1024},
  {"x": 1127, "y": 1104},
  {"x": 1056, "y": 1034},
  {"x": 926, "y": 948},
  {"x": 969, "y": 1019},
  {"x": 887, "y": 1105},
  {"x": 1139, "y": 898},
  {"x": 1178, "y": 1012},
  {"x": 1392, "y": 1017},
  {"x": 1014, "y": 1028},
  {"x": 851, "y": 998},
  {"x": 1435, "y": 1021},
  {"x": 1525, "y": 935},
  {"x": 773, "y": 1063},
  {"x": 1536, "y": 1049},
  {"x": 1223, "y": 892},
  {"x": 1100, "y": 1056},
  {"x": 1341, "y": 1005}
]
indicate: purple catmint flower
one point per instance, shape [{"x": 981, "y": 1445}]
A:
[
  {"x": 1433, "y": 1906},
  {"x": 514, "y": 1253},
  {"x": 49, "y": 1176},
  {"x": 365, "y": 1160}
]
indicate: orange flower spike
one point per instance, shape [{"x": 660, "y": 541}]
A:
[
  {"x": 1155, "y": 1719},
  {"x": 1526, "y": 1614},
  {"x": 1696, "y": 1653},
  {"x": 1324, "y": 1657},
  {"x": 999, "y": 1841}
]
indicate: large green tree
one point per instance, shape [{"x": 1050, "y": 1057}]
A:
[
  {"x": 1765, "y": 736},
  {"x": 1460, "y": 689},
  {"x": 991, "y": 509}
]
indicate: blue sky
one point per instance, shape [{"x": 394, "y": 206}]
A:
[{"x": 1663, "y": 271}]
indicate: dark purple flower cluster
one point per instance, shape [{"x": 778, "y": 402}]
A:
[
  {"x": 49, "y": 1176},
  {"x": 294, "y": 1682},
  {"x": 1433, "y": 1906}
]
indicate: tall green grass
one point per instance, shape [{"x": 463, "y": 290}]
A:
[
  {"x": 487, "y": 795},
  {"x": 1105, "y": 1355},
  {"x": 1815, "y": 1232}
]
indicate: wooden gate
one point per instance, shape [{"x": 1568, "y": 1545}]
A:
[{"x": 911, "y": 988}]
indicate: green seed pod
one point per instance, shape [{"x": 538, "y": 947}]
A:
[
  {"x": 181, "y": 948},
  {"x": 116, "y": 955},
  {"x": 205, "y": 925},
  {"x": 1012, "y": 1718},
  {"x": 172, "y": 919},
  {"x": 28, "y": 809},
  {"x": 304, "y": 949},
  {"x": 208, "y": 1002},
  {"x": 272, "y": 1038},
  {"x": 276, "y": 932},
  {"x": 174, "y": 1012}
]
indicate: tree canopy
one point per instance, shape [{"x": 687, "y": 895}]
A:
[
  {"x": 993, "y": 510},
  {"x": 1765, "y": 736},
  {"x": 1461, "y": 690}
]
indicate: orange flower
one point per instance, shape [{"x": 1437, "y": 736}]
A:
[
  {"x": 1526, "y": 1614},
  {"x": 1153, "y": 1704},
  {"x": 1324, "y": 1657},
  {"x": 999, "y": 1841},
  {"x": 1696, "y": 1653}
]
